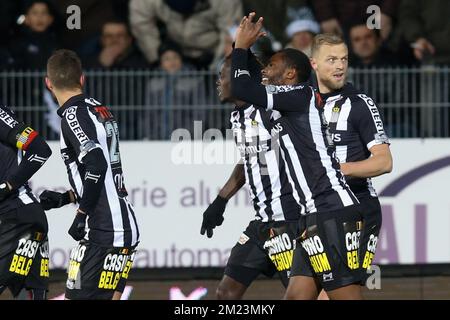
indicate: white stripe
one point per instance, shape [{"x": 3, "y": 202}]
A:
[
  {"x": 275, "y": 184},
  {"x": 291, "y": 181},
  {"x": 298, "y": 170},
  {"x": 257, "y": 182},
  {"x": 133, "y": 224},
  {"x": 341, "y": 153},
  {"x": 76, "y": 178},
  {"x": 23, "y": 196},
  {"x": 316, "y": 131},
  {"x": 272, "y": 169},
  {"x": 343, "y": 115},
  {"x": 110, "y": 187},
  {"x": 269, "y": 101},
  {"x": 74, "y": 173}
]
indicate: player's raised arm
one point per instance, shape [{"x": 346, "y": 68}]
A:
[{"x": 282, "y": 98}]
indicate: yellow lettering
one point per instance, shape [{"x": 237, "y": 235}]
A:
[
  {"x": 368, "y": 259},
  {"x": 352, "y": 259},
  {"x": 12, "y": 267},
  {"x": 116, "y": 280},
  {"x": 323, "y": 260},
  {"x": 129, "y": 264},
  {"x": 27, "y": 270},
  {"x": 44, "y": 268},
  {"x": 74, "y": 268},
  {"x": 101, "y": 283}
]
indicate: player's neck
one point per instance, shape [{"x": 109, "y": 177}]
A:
[
  {"x": 63, "y": 96},
  {"x": 323, "y": 89}
]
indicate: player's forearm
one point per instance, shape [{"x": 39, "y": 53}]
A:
[
  {"x": 234, "y": 183},
  {"x": 37, "y": 153},
  {"x": 242, "y": 86},
  {"x": 371, "y": 167}
]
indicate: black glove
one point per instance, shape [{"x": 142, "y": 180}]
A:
[
  {"x": 4, "y": 190},
  {"x": 52, "y": 199},
  {"x": 76, "y": 230},
  {"x": 213, "y": 216}
]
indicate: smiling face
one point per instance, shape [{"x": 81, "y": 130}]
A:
[
  {"x": 330, "y": 62},
  {"x": 273, "y": 73}
]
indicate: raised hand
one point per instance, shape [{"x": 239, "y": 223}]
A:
[{"x": 249, "y": 32}]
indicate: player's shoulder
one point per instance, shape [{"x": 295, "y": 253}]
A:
[{"x": 274, "y": 89}]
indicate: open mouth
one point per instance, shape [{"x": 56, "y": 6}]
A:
[
  {"x": 264, "y": 80},
  {"x": 338, "y": 76}
]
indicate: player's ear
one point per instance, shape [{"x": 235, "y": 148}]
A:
[
  {"x": 48, "y": 84},
  {"x": 290, "y": 73},
  {"x": 82, "y": 80},
  {"x": 313, "y": 63}
]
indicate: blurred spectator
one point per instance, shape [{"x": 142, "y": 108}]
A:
[
  {"x": 367, "y": 49},
  {"x": 426, "y": 27},
  {"x": 118, "y": 49},
  {"x": 174, "y": 87},
  {"x": 277, "y": 14},
  {"x": 301, "y": 32},
  {"x": 337, "y": 16},
  {"x": 94, "y": 14},
  {"x": 36, "y": 40},
  {"x": 197, "y": 26}
]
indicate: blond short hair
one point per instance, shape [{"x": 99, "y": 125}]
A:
[{"x": 325, "y": 39}]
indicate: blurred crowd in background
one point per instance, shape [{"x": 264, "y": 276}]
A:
[
  {"x": 176, "y": 34},
  {"x": 173, "y": 37}
]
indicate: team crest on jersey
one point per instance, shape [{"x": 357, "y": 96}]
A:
[
  {"x": 254, "y": 123},
  {"x": 243, "y": 239}
]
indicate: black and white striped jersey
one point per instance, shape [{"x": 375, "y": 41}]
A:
[
  {"x": 86, "y": 126},
  {"x": 15, "y": 137},
  {"x": 304, "y": 138},
  {"x": 271, "y": 193},
  {"x": 356, "y": 126}
]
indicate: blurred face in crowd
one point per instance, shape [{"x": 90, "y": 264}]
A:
[
  {"x": 116, "y": 34},
  {"x": 171, "y": 61},
  {"x": 302, "y": 40},
  {"x": 38, "y": 17},
  {"x": 330, "y": 62},
  {"x": 275, "y": 71},
  {"x": 224, "y": 82},
  {"x": 365, "y": 42}
]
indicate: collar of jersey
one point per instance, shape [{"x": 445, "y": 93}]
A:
[{"x": 70, "y": 103}]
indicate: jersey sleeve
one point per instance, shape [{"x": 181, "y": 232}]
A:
[
  {"x": 366, "y": 118},
  {"x": 282, "y": 98},
  {"x": 79, "y": 131}
]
